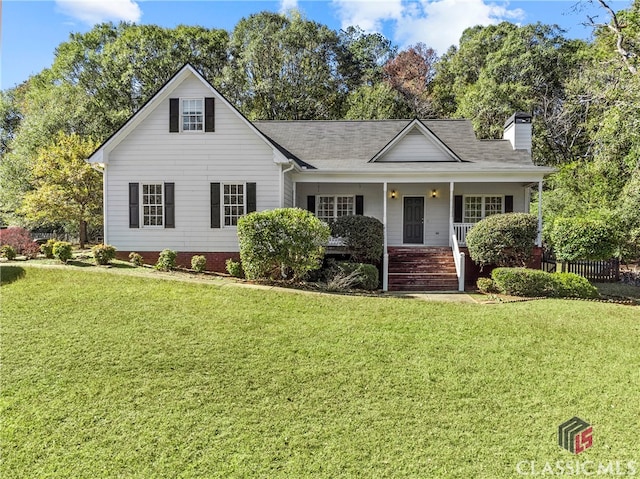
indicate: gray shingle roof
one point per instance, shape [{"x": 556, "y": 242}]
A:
[{"x": 350, "y": 145}]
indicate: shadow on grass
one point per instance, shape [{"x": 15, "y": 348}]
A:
[{"x": 9, "y": 274}]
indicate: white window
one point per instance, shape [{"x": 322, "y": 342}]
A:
[
  {"x": 152, "y": 205},
  {"x": 192, "y": 114},
  {"x": 234, "y": 203},
  {"x": 479, "y": 207},
  {"x": 331, "y": 207}
]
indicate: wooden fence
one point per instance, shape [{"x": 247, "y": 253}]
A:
[{"x": 607, "y": 271}]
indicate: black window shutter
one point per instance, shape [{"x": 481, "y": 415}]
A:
[
  {"x": 359, "y": 204},
  {"x": 215, "y": 205},
  {"x": 457, "y": 209},
  {"x": 174, "y": 115},
  {"x": 134, "y": 211},
  {"x": 209, "y": 115},
  {"x": 251, "y": 197},
  {"x": 169, "y": 206},
  {"x": 311, "y": 204},
  {"x": 508, "y": 204}
]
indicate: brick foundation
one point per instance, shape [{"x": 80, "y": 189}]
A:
[
  {"x": 215, "y": 261},
  {"x": 472, "y": 270}
]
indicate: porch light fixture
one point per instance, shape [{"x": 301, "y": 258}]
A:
[
  {"x": 434, "y": 193},
  {"x": 393, "y": 194}
]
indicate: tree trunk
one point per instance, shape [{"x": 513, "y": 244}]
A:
[{"x": 83, "y": 233}]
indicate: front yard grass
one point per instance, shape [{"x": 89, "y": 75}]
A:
[{"x": 110, "y": 375}]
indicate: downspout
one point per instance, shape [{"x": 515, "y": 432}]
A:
[
  {"x": 293, "y": 165},
  {"x": 103, "y": 169}
]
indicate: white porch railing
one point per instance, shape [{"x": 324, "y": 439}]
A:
[
  {"x": 460, "y": 231},
  {"x": 458, "y": 258},
  {"x": 335, "y": 242}
]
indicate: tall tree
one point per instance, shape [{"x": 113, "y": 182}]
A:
[
  {"x": 67, "y": 188},
  {"x": 410, "y": 73},
  {"x": 284, "y": 67}
]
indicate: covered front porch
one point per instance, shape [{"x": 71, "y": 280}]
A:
[{"x": 419, "y": 215}]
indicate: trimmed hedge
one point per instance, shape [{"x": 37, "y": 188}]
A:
[
  {"x": 284, "y": 243},
  {"x": 536, "y": 283},
  {"x": 234, "y": 268},
  {"x": 503, "y": 240},
  {"x": 363, "y": 237}
]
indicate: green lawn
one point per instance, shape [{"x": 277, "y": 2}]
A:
[{"x": 111, "y": 375}]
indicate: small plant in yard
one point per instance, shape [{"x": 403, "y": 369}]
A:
[
  {"x": 47, "y": 248},
  {"x": 166, "y": 260},
  {"x": 136, "y": 259},
  {"x": 234, "y": 268},
  {"x": 63, "y": 251},
  {"x": 103, "y": 253},
  {"x": 346, "y": 275},
  {"x": 486, "y": 286},
  {"x": 8, "y": 252},
  {"x": 198, "y": 263},
  {"x": 20, "y": 240}
]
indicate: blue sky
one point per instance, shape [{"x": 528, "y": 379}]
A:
[{"x": 31, "y": 30}]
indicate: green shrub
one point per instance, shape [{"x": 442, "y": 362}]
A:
[
  {"x": 166, "y": 260},
  {"x": 234, "y": 268},
  {"x": 20, "y": 240},
  {"x": 136, "y": 259},
  {"x": 523, "y": 282},
  {"x": 47, "y": 248},
  {"x": 535, "y": 283},
  {"x": 573, "y": 285},
  {"x": 583, "y": 239},
  {"x": 486, "y": 285},
  {"x": 367, "y": 274},
  {"x": 363, "y": 236},
  {"x": 285, "y": 243},
  {"x": 62, "y": 251},
  {"x": 503, "y": 240},
  {"x": 198, "y": 263},
  {"x": 103, "y": 253},
  {"x": 8, "y": 252}
]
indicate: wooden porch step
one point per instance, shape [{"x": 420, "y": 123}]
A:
[{"x": 422, "y": 269}]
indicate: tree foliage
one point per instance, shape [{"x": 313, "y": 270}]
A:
[{"x": 66, "y": 187}]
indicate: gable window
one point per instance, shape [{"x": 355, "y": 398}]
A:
[
  {"x": 331, "y": 207},
  {"x": 234, "y": 203},
  {"x": 479, "y": 207},
  {"x": 192, "y": 114},
  {"x": 152, "y": 205}
]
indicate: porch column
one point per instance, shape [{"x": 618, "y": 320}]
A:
[
  {"x": 451, "y": 213},
  {"x": 539, "y": 241},
  {"x": 385, "y": 258}
]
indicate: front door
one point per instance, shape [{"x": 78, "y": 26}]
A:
[{"x": 413, "y": 224}]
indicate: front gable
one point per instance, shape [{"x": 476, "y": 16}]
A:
[
  {"x": 415, "y": 143},
  {"x": 164, "y": 113}
]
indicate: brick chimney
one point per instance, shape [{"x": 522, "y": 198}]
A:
[{"x": 517, "y": 130}]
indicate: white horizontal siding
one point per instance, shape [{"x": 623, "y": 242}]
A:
[
  {"x": 415, "y": 146},
  {"x": 150, "y": 154}
]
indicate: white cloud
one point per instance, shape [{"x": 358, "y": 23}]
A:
[
  {"x": 436, "y": 23},
  {"x": 97, "y": 11},
  {"x": 286, "y": 5},
  {"x": 368, "y": 14}
]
